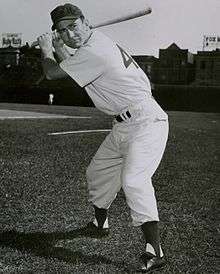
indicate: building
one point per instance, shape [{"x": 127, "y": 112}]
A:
[
  {"x": 176, "y": 66},
  {"x": 207, "y": 72},
  {"x": 8, "y": 57},
  {"x": 148, "y": 64},
  {"x": 20, "y": 66}
]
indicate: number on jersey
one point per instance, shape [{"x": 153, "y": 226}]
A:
[{"x": 127, "y": 59}]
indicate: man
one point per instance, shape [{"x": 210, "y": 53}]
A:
[
  {"x": 131, "y": 153},
  {"x": 50, "y": 99}
]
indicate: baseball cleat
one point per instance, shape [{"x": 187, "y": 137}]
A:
[
  {"x": 91, "y": 230},
  {"x": 150, "y": 263}
]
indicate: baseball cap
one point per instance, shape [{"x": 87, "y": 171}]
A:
[{"x": 64, "y": 12}]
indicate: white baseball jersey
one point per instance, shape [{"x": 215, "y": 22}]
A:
[{"x": 110, "y": 76}]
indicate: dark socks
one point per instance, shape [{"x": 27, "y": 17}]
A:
[
  {"x": 151, "y": 234},
  {"x": 100, "y": 215}
]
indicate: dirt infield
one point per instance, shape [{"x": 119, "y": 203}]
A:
[{"x": 44, "y": 194}]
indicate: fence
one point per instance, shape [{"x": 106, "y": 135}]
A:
[{"x": 188, "y": 98}]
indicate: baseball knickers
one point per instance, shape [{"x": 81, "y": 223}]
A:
[{"x": 127, "y": 159}]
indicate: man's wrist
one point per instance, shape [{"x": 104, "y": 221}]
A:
[
  {"x": 58, "y": 47},
  {"x": 62, "y": 52},
  {"x": 48, "y": 54}
]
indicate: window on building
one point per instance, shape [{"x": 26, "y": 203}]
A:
[{"x": 202, "y": 65}]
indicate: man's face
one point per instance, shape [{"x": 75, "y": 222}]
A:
[{"x": 73, "y": 32}]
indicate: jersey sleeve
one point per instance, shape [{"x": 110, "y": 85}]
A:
[{"x": 84, "y": 67}]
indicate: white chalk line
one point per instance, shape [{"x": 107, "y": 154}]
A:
[
  {"x": 79, "y": 131},
  {"x": 17, "y": 114},
  {"x": 44, "y": 117}
]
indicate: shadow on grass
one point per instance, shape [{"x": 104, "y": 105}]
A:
[{"x": 43, "y": 245}]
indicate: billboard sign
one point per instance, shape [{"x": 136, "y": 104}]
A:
[
  {"x": 211, "y": 42},
  {"x": 11, "y": 39}
]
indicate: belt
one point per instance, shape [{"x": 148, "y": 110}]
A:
[{"x": 123, "y": 116}]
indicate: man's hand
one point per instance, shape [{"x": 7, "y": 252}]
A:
[
  {"x": 57, "y": 41},
  {"x": 60, "y": 49},
  {"x": 45, "y": 42},
  {"x": 50, "y": 66}
]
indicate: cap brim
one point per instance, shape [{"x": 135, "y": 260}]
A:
[{"x": 64, "y": 18}]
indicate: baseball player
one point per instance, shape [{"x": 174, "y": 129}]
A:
[
  {"x": 50, "y": 99},
  {"x": 131, "y": 153}
]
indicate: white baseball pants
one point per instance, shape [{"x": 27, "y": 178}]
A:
[{"x": 127, "y": 159}]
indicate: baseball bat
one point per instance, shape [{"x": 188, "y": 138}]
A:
[
  {"x": 129, "y": 16},
  {"x": 123, "y": 18}
]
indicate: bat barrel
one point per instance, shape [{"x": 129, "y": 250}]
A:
[{"x": 137, "y": 14}]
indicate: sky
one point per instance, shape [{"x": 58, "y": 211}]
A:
[{"x": 183, "y": 22}]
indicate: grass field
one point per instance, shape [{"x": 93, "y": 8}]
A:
[{"x": 43, "y": 195}]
